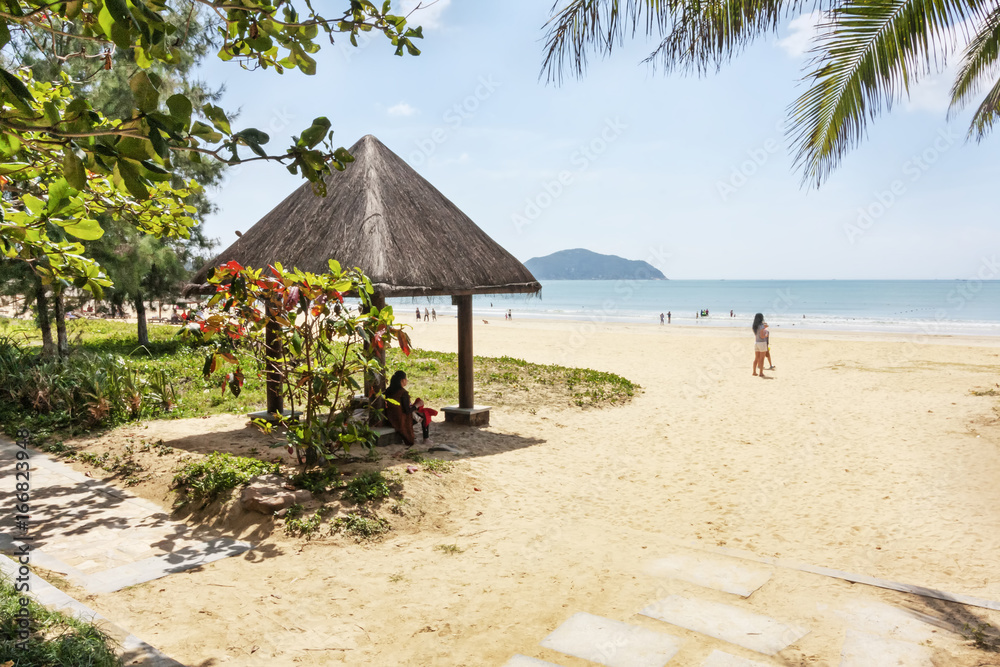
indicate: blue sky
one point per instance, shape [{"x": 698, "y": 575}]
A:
[{"x": 691, "y": 174}]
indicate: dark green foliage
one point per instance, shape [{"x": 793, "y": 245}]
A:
[
  {"x": 318, "y": 481},
  {"x": 216, "y": 473},
  {"x": 367, "y": 486},
  {"x": 361, "y": 526},
  {"x": 56, "y": 640}
]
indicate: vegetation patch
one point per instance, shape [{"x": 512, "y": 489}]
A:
[
  {"x": 318, "y": 481},
  {"x": 217, "y": 473},
  {"x": 431, "y": 465},
  {"x": 362, "y": 526},
  {"x": 506, "y": 381},
  {"x": 450, "y": 549},
  {"x": 299, "y": 525},
  {"x": 109, "y": 379},
  {"x": 368, "y": 486},
  {"x": 56, "y": 639}
]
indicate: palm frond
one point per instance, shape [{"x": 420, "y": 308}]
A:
[
  {"x": 867, "y": 55},
  {"x": 598, "y": 24},
  {"x": 978, "y": 63},
  {"x": 705, "y": 34}
]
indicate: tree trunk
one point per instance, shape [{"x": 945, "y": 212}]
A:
[
  {"x": 140, "y": 316},
  {"x": 42, "y": 303},
  {"x": 60, "y": 313}
]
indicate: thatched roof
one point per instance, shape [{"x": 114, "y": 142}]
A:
[{"x": 383, "y": 217}]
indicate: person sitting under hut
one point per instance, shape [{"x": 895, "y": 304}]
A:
[{"x": 402, "y": 413}]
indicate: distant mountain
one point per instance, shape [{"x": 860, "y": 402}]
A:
[{"x": 580, "y": 264}]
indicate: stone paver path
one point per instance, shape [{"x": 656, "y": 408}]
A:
[
  {"x": 100, "y": 538},
  {"x": 690, "y": 626}
]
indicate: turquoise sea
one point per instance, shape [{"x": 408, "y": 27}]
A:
[{"x": 970, "y": 307}]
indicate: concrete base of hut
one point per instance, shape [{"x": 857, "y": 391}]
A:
[
  {"x": 386, "y": 435},
  {"x": 477, "y": 416}
]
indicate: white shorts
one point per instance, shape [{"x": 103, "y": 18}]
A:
[{"x": 761, "y": 347}]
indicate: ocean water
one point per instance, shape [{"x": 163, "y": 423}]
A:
[{"x": 969, "y": 307}]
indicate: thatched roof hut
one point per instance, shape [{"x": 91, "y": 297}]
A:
[
  {"x": 410, "y": 240},
  {"x": 382, "y": 216}
]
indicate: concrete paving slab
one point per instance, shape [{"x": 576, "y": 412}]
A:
[
  {"x": 722, "y": 621},
  {"x": 524, "y": 661},
  {"x": 726, "y": 575},
  {"x": 134, "y": 650},
  {"x": 612, "y": 643},
  {"x": 862, "y": 649},
  {"x": 723, "y": 659},
  {"x": 891, "y": 622}
]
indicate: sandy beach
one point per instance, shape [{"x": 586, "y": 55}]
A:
[{"x": 866, "y": 453}]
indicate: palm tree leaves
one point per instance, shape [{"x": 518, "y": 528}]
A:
[
  {"x": 599, "y": 23},
  {"x": 866, "y": 56},
  {"x": 978, "y": 61}
]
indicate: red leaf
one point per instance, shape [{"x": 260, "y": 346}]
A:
[{"x": 234, "y": 266}]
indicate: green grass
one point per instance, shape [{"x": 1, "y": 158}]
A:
[
  {"x": 502, "y": 382},
  {"x": 368, "y": 486},
  {"x": 301, "y": 526},
  {"x": 216, "y": 473},
  {"x": 450, "y": 549},
  {"x": 56, "y": 640},
  {"x": 362, "y": 527},
  {"x": 431, "y": 465},
  {"x": 318, "y": 481}
]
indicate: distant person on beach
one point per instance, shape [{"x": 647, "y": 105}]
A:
[
  {"x": 661, "y": 318},
  {"x": 510, "y": 314},
  {"x": 418, "y": 313},
  {"x": 427, "y": 315},
  {"x": 731, "y": 314},
  {"x": 668, "y": 317},
  {"x": 434, "y": 314},
  {"x": 770, "y": 364},
  {"x": 760, "y": 343},
  {"x": 402, "y": 413}
]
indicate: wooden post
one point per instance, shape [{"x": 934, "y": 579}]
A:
[
  {"x": 272, "y": 347},
  {"x": 466, "y": 390}
]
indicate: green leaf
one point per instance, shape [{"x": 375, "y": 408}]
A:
[
  {"x": 180, "y": 109},
  {"x": 119, "y": 11},
  {"x": 128, "y": 175},
  {"x": 334, "y": 264},
  {"x": 147, "y": 97},
  {"x": 4, "y": 34},
  {"x": 15, "y": 90},
  {"x": 142, "y": 59},
  {"x": 73, "y": 169},
  {"x": 218, "y": 118},
  {"x": 253, "y": 138},
  {"x": 59, "y": 192},
  {"x": 202, "y": 131},
  {"x": 315, "y": 133},
  {"x": 33, "y": 204},
  {"x": 86, "y": 230}
]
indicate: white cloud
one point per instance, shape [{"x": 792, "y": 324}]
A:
[
  {"x": 401, "y": 109},
  {"x": 933, "y": 92},
  {"x": 801, "y": 31},
  {"x": 427, "y": 14}
]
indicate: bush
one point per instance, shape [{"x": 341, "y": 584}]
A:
[
  {"x": 56, "y": 639},
  {"x": 362, "y": 527},
  {"x": 367, "y": 486},
  {"x": 217, "y": 473},
  {"x": 318, "y": 481}
]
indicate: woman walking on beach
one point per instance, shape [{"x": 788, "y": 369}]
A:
[{"x": 760, "y": 343}]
